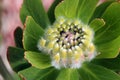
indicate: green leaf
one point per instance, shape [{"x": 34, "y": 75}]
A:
[
  {"x": 94, "y": 72},
  {"x": 96, "y": 24},
  {"x": 27, "y": 74},
  {"x": 86, "y": 9},
  {"x": 52, "y": 9},
  {"x": 101, "y": 9},
  {"x": 18, "y": 34},
  {"x": 17, "y": 77},
  {"x": 38, "y": 60},
  {"x": 107, "y": 38},
  {"x": 109, "y": 49},
  {"x": 16, "y": 59},
  {"x": 36, "y": 10},
  {"x": 112, "y": 64},
  {"x": 31, "y": 34},
  {"x": 112, "y": 26},
  {"x": 24, "y": 13},
  {"x": 39, "y": 74},
  {"x": 67, "y": 8},
  {"x": 68, "y": 74}
]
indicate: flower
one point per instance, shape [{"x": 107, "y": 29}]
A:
[
  {"x": 64, "y": 43},
  {"x": 68, "y": 42}
]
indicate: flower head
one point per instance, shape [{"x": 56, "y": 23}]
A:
[{"x": 68, "y": 42}]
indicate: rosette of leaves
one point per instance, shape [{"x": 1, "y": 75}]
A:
[{"x": 30, "y": 63}]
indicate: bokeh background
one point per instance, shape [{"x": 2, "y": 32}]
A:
[{"x": 9, "y": 20}]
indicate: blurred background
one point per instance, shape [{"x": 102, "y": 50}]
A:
[{"x": 9, "y": 20}]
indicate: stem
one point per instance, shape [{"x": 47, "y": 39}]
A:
[{"x": 4, "y": 72}]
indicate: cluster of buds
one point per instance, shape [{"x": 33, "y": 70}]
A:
[{"x": 68, "y": 42}]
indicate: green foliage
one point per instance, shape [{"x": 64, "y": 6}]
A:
[
  {"x": 31, "y": 35},
  {"x": 80, "y": 10},
  {"x": 65, "y": 9},
  {"x": 68, "y": 74},
  {"x": 94, "y": 72},
  {"x": 39, "y": 60},
  {"x": 97, "y": 22},
  {"x": 86, "y": 9},
  {"x": 18, "y": 37},
  {"x": 112, "y": 26},
  {"x": 36, "y": 10},
  {"x": 107, "y": 38},
  {"x": 101, "y": 9},
  {"x": 52, "y": 10},
  {"x": 112, "y": 64},
  {"x": 32, "y": 64},
  {"x": 109, "y": 49},
  {"x": 33, "y": 73},
  {"x": 16, "y": 59}
]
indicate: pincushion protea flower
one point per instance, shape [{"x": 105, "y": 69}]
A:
[
  {"x": 68, "y": 45},
  {"x": 68, "y": 42}
]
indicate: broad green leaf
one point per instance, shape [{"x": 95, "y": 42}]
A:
[
  {"x": 31, "y": 34},
  {"x": 36, "y": 10},
  {"x": 30, "y": 73},
  {"x": 101, "y": 9},
  {"x": 33, "y": 73},
  {"x": 52, "y": 9},
  {"x": 68, "y": 74},
  {"x": 96, "y": 24},
  {"x": 38, "y": 60},
  {"x": 16, "y": 59},
  {"x": 67, "y": 8},
  {"x": 112, "y": 26},
  {"x": 109, "y": 49},
  {"x": 18, "y": 34},
  {"x": 94, "y": 72},
  {"x": 112, "y": 64},
  {"x": 86, "y": 9},
  {"x": 24, "y": 13},
  {"x": 17, "y": 77},
  {"x": 107, "y": 38}
]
